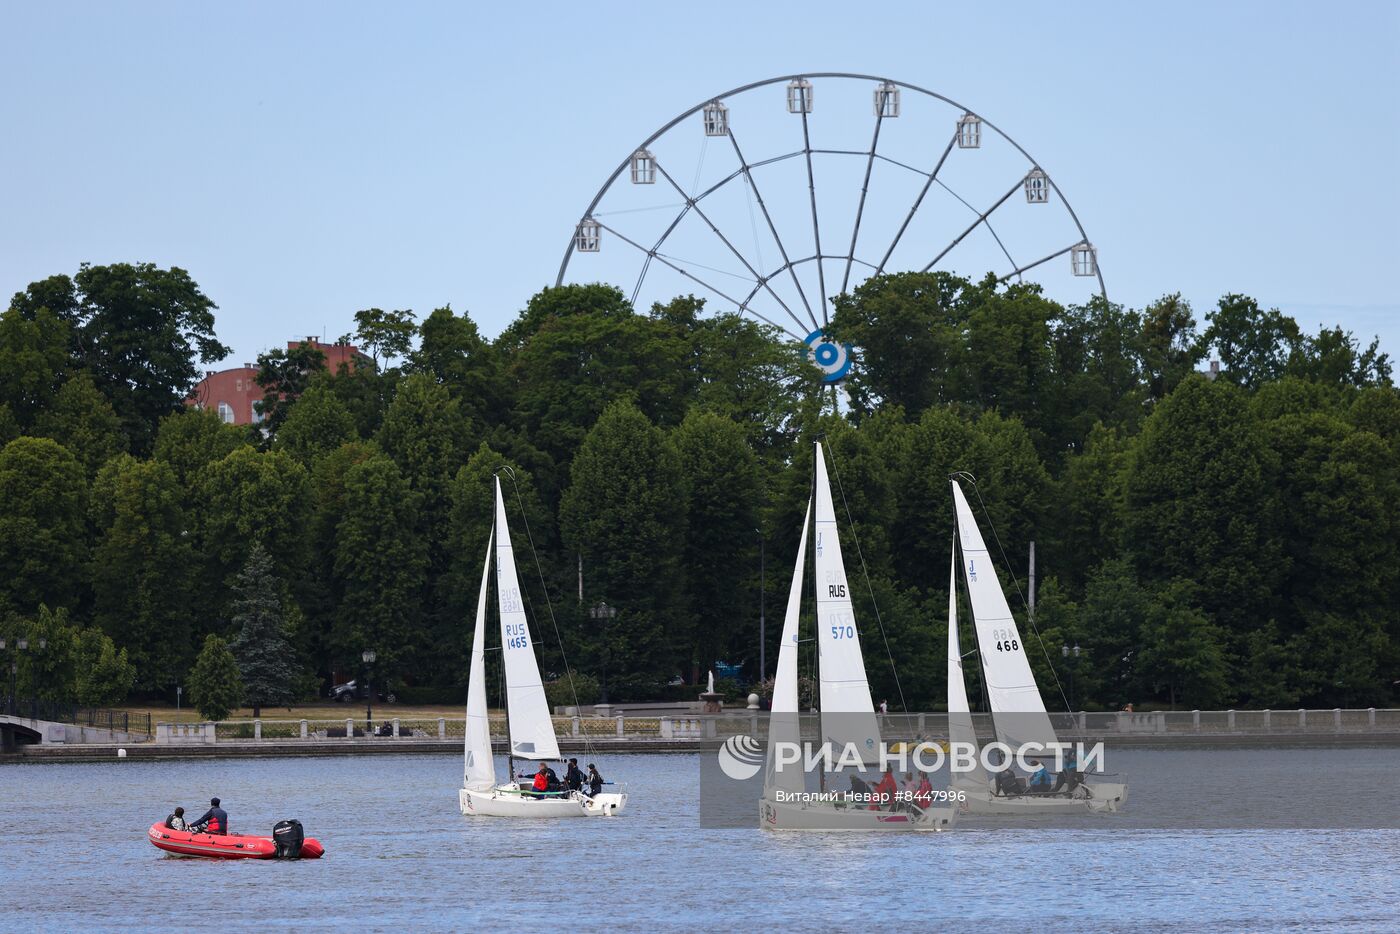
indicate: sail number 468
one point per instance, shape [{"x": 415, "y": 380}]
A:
[{"x": 1006, "y": 640}]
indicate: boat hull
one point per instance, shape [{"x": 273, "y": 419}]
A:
[
  {"x": 777, "y": 816},
  {"x": 223, "y": 846},
  {"x": 1102, "y": 798},
  {"x": 507, "y": 801}
]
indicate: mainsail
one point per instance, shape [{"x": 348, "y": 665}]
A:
[
  {"x": 527, "y": 711},
  {"x": 1017, "y": 709},
  {"x": 961, "y": 733},
  {"x": 848, "y": 716},
  {"x": 479, "y": 771},
  {"x": 784, "y": 722}
]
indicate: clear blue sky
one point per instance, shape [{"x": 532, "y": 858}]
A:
[{"x": 306, "y": 160}]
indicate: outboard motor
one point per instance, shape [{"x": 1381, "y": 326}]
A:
[{"x": 288, "y": 836}]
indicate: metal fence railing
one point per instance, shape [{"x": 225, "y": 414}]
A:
[
  {"x": 893, "y": 727},
  {"x": 117, "y": 721}
]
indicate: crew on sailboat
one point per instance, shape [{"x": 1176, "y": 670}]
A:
[
  {"x": 573, "y": 778},
  {"x": 595, "y": 780}
]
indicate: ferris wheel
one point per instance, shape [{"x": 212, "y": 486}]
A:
[{"x": 770, "y": 201}]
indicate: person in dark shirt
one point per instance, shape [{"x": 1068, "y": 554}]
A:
[
  {"x": 215, "y": 820},
  {"x": 176, "y": 821},
  {"x": 573, "y": 777},
  {"x": 595, "y": 780}
]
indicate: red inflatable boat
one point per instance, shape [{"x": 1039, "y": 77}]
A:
[{"x": 223, "y": 845}]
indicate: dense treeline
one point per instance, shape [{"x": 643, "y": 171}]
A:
[{"x": 1203, "y": 541}]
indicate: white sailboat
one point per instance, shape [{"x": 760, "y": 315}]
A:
[
  {"x": 528, "y": 722},
  {"x": 848, "y": 713},
  {"x": 1018, "y": 712}
]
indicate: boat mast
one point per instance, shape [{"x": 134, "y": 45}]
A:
[
  {"x": 505, "y": 688},
  {"x": 816, "y": 636}
]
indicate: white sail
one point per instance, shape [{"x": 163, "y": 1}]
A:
[
  {"x": 960, "y": 728},
  {"x": 527, "y": 712},
  {"x": 479, "y": 770},
  {"x": 848, "y": 715},
  {"x": 784, "y": 720},
  {"x": 1017, "y": 709}
]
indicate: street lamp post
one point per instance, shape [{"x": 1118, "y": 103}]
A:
[
  {"x": 602, "y": 612},
  {"x": 21, "y": 645},
  {"x": 762, "y": 629},
  {"x": 368, "y": 656},
  {"x": 1067, "y": 651}
]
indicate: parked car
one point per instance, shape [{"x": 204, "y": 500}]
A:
[{"x": 352, "y": 691}]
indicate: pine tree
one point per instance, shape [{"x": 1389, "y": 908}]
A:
[
  {"x": 215, "y": 687},
  {"x": 265, "y": 657}
]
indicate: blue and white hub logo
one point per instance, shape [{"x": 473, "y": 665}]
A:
[{"x": 831, "y": 357}]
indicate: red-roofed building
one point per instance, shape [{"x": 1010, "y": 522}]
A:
[{"x": 233, "y": 393}]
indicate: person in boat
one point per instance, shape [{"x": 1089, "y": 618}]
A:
[
  {"x": 1040, "y": 781},
  {"x": 923, "y": 795},
  {"x": 573, "y": 777},
  {"x": 176, "y": 821},
  {"x": 541, "y": 783},
  {"x": 885, "y": 791},
  {"x": 860, "y": 790},
  {"x": 215, "y": 820},
  {"x": 595, "y": 780},
  {"x": 1069, "y": 777},
  {"x": 909, "y": 791},
  {"x": 554, "y": 783},
  {"x": 1007, "y": 782}
]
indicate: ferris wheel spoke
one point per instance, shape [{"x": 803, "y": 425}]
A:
[
  {"x": 747, "y": 171},
  {"x": 725, "y": 240},
  {"x": 816, "y": 226},
  {"x": 981, "y": 218},
  {"x": 860, "y": 208},
  {"x": 990, "y": 229},
  {"x": 917, "y": 201},
  {"x": 652, "y": 254},
  {"x": 1044, "y": 259}
]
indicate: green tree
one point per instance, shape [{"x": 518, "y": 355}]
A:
[
  {"x": 144, "y": 572},
  {"x": 284, "y": 375},
  {"x": 318, "y": 424},
  {"x": 1199, "y": 506},
  {"x": 1254, "y": 346},
  {"x": 265, "y": 658},
  {"x": 587, "y": 349},
  {"x": 1334, "y": 356},
  {"x": 1170, "y": 344},
  {"x": 142, "y": 333},
  {"x": 252, "y": 496},
  {"x": 624, "y": 514},
  {"x": 43, "y": 506},
  {"x": 1182, "y": 653},
  {"x": 34, "y": 360},
  {"x": 47, "y": 669},
  {"x": 909, "y": 331},
  {"x": 379, "y": 566},
  {"x": 104, "y": 673},
  {"x": 216, "y": 689},
  {"x": 82, "y": 420},
  {"x": 454, "y": 354},
  {"x": 386, "y": 335},
  {"x": 192, "y": 439},
  {"x": 721, "y": 475}
]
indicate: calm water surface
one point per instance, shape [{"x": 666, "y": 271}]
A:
[{"x": 401, "y": 857}]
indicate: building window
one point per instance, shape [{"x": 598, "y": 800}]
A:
[{"x": 226, "y": 413}]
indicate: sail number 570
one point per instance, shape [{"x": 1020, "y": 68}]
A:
[{"x": 843, "y": 632}]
